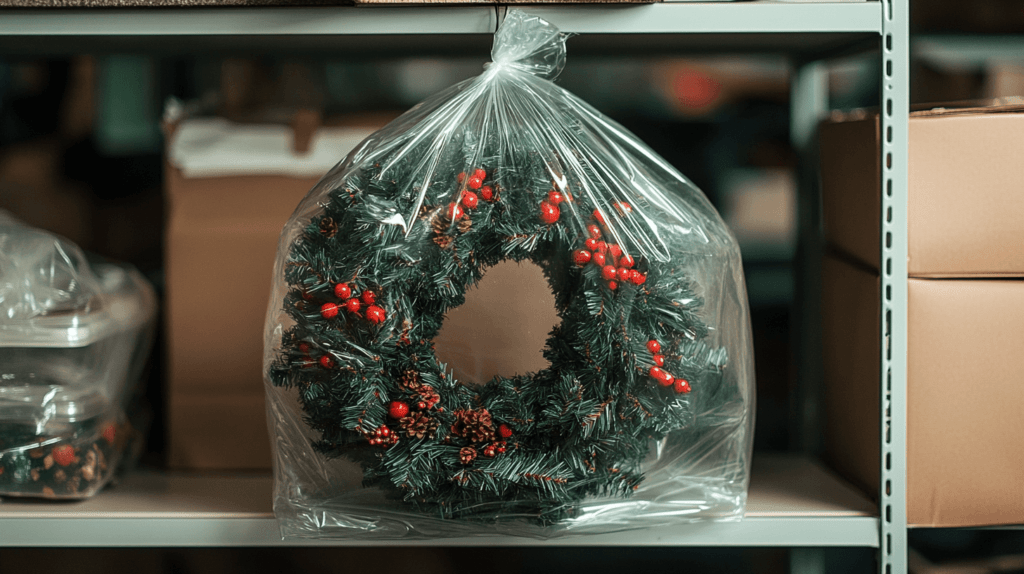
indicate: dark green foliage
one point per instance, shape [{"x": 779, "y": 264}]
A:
[{"x": 581, "y": 427}]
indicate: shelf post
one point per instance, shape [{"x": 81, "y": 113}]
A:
[{"x": 894, "y": 116}]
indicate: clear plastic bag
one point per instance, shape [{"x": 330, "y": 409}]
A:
[
  {"x": 73, "y": 340},
  {"x": 645, "y": 413}
]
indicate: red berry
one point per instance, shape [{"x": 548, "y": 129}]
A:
[
  {"x": 599, "y": 216},
  {"x": 594, "y": 231},
  {"x": 489, "y": 452},
  {"x": 504, "y": 431},
  {"x": 624, "y": 208},
  {"x": 501, "y": 449},
  {"x": 581, "y": 257},
  {"x": 470, "y": 200},
  {"x": 613, "y": 285},
  {"x": 384, "y": 431},
  {"x": 623, "y": 274},
  {"x": 602, "y": 247},
  {"x": 634, "y": 276},
  {"x": 353, "y": 305},
  {"x": 375, "y": 314},
  {"x": 659, "y": 360},
  {"x": 598, "y": 259},
  {"x": 461, "y": 177},
  {"x": 626, "y": 261},
  {"x": 304, "y": 347},
  {"x": 397, "y": 409},
  {"x": 681, "y": 386},
  {"x": 421, "y": 406},
  {"x": 480, "y": 172},
  {"x": 487, "y": 193},
  {"x": 608, "y": 272},
  {"x": 109, "y": 433},
  {"x": 591, "y": 244},
  {"x": 342, "y": 291},
  {"x": 64, "y": 454},
  {"x": 659, "y": 375},
  {"x": 326, "y": 362},
  {"x": 368, "y": 297},
  {"x": 615, "y": 250},
  {"x": 555, "y": 197},
  {"x": 548, "y": 212},
  {"x": 454, "y": 211},
  {"x": 329, "y": 310},
  {"x": 639, "y": 278},
  {"x": 475, "y": 182},
  {"x": 653, "y": 346}
]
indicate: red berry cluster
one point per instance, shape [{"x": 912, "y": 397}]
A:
[
  {"x": 476, "y": 183},
  {"x": 344, "y": 292},
  {"x": 663, "y": 377},
  {"x": 615, "y": 265},
  {"x": 549, "y": 211},
  {"x": 382, "y": 437},
  {"x": 494, "y": 448}
]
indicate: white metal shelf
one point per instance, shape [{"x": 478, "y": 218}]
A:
[
  {"x": 792, "y": 502},
  {"x": 663, "y": 18}
]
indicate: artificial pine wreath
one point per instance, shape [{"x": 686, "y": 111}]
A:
[
  {"x": 367, "y": 299},
  {"x": 508, "y": 166}
]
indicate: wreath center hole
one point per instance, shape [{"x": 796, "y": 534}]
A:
[{"x": 502, "y": 327}]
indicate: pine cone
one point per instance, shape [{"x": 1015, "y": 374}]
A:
[
  {"x": 328, "y": 227},
  {"x": 464, "y": 224},
  {"x": 410, "y": 379},
  {"x": 440, "y": 224},
  {"x": 474, "y": 425},
  {"x": 417, "y": 425},
  {"x": 427, "y": 395},
  {"x": 443, "y": 241},
  {"x": 467, "y": 454}
]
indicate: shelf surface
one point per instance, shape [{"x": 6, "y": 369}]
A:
[
  {"x": 792, "y": 502},
  {"x": 712, "y": 26}
]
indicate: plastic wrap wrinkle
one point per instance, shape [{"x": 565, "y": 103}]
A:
[{"x": 645, "y": 415}]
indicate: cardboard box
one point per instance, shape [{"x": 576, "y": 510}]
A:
[
  {"x": 965, "y": 206},
  {"x": 965, "y": 433},
  {"x": 230, "y": 189}
]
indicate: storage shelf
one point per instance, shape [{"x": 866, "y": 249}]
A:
[
  {"x": 792, "y": 502},
  {"x": 805, "y": 27}
]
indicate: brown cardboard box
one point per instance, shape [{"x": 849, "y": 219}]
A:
[
  {"x": 221, "y": 242},
  {"x": 965, "y": 433},
  {"x": 966, "y": 212},
  {"x": 222, "y": 234}
]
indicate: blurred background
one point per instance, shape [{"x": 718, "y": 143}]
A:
[{"x": 83, "y": 153}]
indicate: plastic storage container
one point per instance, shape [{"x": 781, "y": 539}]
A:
[{"x": 73, "y": 339}]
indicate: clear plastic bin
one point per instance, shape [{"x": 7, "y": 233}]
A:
[{"x": 73, "y": 340}]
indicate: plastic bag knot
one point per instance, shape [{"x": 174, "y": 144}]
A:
[{"x": 528, "y": 44}]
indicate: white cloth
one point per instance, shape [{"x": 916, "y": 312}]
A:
[{"x": 211, "y": 147}]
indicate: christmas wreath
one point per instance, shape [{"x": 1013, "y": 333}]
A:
[
  {"x": 367, "y": 297},
  {"x": 507, "y": 166}
]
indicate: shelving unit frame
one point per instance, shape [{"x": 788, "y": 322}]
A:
[{"x": 177, "y": 510}]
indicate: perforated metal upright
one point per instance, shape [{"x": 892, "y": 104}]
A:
[{"x": 895, "y": 109}]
